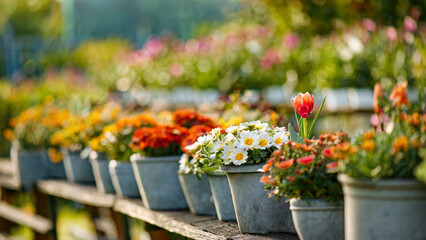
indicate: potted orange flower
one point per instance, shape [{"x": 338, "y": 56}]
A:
[
  {"x": 193, "y": 180},
  {"x": 111, "y": 162},
  {"x": 306, "y": 175},
  {"x": 155, "y": 165},
  {"x": 382, "y": 197}
]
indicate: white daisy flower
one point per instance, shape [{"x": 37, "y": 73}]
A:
[
  {"x": 263, "y": 141},
  {"x": 279, "y": 138},
  {"x": 227, "y": 151},
  {"x": 239, "y": 156},
  {"x": 215, "y": 132},
  {"x": 183, "y": 164},
  {"x": 203, "y": 140},
  {"x": 232, "y": 129},
  {"x": 247, "y": 139}
]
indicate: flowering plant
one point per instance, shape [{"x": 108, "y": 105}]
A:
[
  {"x": 115, "y": 139},
  {"x": 393, "y": 150},
  {"x": 305, "y": 170},
  {"x": 189, "y": 164},
  {"x": 247, "y": 143},
  {"x": 303, "y": 105},
  {"x": 159, "y": 141},
  {"x": 188, "y": 118}
]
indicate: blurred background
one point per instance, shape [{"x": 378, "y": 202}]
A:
[{"x": 164, "y": 54}]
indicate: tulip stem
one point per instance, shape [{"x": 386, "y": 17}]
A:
[{"x": 305, "y": 128}]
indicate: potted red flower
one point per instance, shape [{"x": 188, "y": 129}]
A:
[
  {"x": 155, "y": 165},
  {"x": 306, "y": 174}
]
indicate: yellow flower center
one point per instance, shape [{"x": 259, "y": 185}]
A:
[
  {"x": 263, "y": 142},
  {"x": 278, "y": 141},
  {"x": 248, "y": 141},
  {"x": 239, "y": 156}
]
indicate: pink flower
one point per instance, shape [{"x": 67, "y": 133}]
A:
[
  {"x": 291, "y": 41},
  {"x": 391, "y": 34},
  {"x": 369, "y": 25},
  {"x": 269, "y": 59},
  {"x": 306, "y": 160},
  {"x": 409, "y": 24},
  {"x": 176, "y": 70}
]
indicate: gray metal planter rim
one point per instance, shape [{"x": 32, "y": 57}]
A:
[
  {"x": 252, "y": 168},
  {"x": 400, "y": 183},
  {"x": 138, "y": 158},
  {"x": 315, "y": 205},
  {"x": 216, "y": 173}
]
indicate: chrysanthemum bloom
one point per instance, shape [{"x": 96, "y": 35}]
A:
[
  {"x": 399, "y": 94},
  {"x": 303, "y": 104}
]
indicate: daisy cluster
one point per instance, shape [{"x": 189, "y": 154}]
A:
[{"x": 247, "y": 143}]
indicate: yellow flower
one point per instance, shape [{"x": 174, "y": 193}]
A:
[
  {"x": 368, "y": 145},
  {"x": 400, "y": 143},
  {"x": 8, "y": 134},
  {"x": 368, "y": 135},
  {"x": 54, "y": 156}
]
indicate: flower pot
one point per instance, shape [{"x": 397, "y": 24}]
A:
[
  {"x": 123, "y": 179},
  {"x": 255, "y": 211},
  {"x": 77, "y": 169},
  {"x": 222, "y": 196},
  {"x": 102, "y": 176},
  {"x": 318, "y": 219},
  {"x": 158, "y": 182},
  {"x": 28, "y": 167},
  {"x": 384, "y": 209},
  {"x": 197, "y": 194},
  {"x": 53, "y": 170}
]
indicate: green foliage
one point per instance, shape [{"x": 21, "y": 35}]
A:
[{"x": 420, "y": 171}]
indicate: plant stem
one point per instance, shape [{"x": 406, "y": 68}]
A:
[{"x": 305, "y": 128}]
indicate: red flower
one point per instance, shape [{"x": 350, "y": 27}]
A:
[
  {"x": 327, "y": 153},
  {"x": 303, "y": 104},
  {"x": 331, "y": 165},
  {"x": 290, "y": 178},
  {"x": 284, "y": 164},
  {"x": 306, "y": 160}
]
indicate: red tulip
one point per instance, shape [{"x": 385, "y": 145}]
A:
[
  {"x": 303, "y": 104},
  {"x": 306, "y": 160}
]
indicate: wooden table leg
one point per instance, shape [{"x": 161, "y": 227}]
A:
[
  {"x": 42, "y": 204},
  {"x": 121, "y": 225}
]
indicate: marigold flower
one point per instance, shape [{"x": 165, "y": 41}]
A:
[
  {"x": 414, "y": 119},
  {"x": 400, "y": 143},
  {"x": 306, "y": 160},
  {"x": 368, "y": 135},
  {"x": 303, "y": 104},
  {"x": 8, "y": 134},
  {"x": 399, "y": 94},
  {"x": 284, "y": 164},
  {"x": 368, "y": 145}
]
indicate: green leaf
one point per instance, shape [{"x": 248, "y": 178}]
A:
[
  {"x": 294, "y": 136},
  {"x": 316, "y": 117},
  {"x": 210, "y": 169}
]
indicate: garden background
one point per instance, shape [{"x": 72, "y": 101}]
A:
[{"x": 165, "y": 54}]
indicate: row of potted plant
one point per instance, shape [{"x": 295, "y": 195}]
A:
[{"x": 187, "y": 157}]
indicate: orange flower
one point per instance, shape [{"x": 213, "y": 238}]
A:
[
  {"x": 8, "y": 134},
  {"x": 331, "y": 165},
  {"x": 414, "y": 119},
  {"x": 268, "y": 165},
  {"x": 327, "y": 153},
  {"x": 400, "y": 143},
  {"x": 306, "y": 160},
  {"x": 284, "y": 164},
  {"x": 416, "y": 143},
  {"x": 378, "y": 94},
  {"x": 265, "y": 179},
  {"x": 399, "y": 94},
  {"x": 368, "y": 145},
  {"x": 368, "y": 135},
  {"x": 303, "y": 104}
]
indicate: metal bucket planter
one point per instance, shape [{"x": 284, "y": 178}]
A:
[
  {"x": 255, "y": 211},
  {"x": 222, "y": 196},
  {"x": 384, "y": 209},
  {"x": 123, "y": 179},
  {"x": 53, "y": 170},
  {"x": 102, "y": 176},
  {"x": 197, "y": 194},
  {"x": 318, "y": 219},
  {"x": 28, "y": 167},
  {"x": 77, "y": 169},
  {"x": 158, "y": 182}
]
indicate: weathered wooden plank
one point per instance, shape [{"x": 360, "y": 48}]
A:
[
  {"x": 171, "y": 221},
  {"x": 189, "y": 225},
  {"x": 9, "y": 182},
  {"x": 75, "y": 192},
  {"x": 16, "y": 215},
  {"x": 6, "y": 167}
]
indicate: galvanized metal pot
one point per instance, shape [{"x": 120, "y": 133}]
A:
[
  {"x": 384, "y": 209},
  {"x": 77, "y": 169},
  {"x": 158, "y": 182},
  {"x": 28, "y": 167},
  {"x": 102, "y": 176},
  {"x": 197, "y": 194},
  {"x": 53, "y": 170},
  {"x": 256, "y": 212},
  {"x": 123, "y": 179},
  {"x": 318, "y": 219},
  {"x": 222, "y": 196}
]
